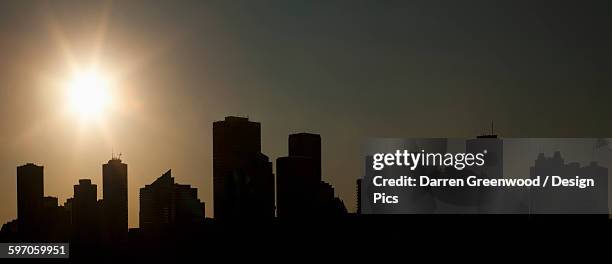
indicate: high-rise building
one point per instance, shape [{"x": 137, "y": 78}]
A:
[
  {"x": 296, "y": 186},
  {"x": 592, "y": 200},
  {"x": 115, "y": 199},
  {"x": 494, "y": 158},
  {"x": 299, "y": 177},
  {"x": 56, "y": 224},
  {"x": 30, "y": 193},
  {"x": 306, "y": 145},
  {"x": 85, "y": 222},
  {"x": 165, "y": 204},
  {"x": 242, "y": 176},
  {"x": 189, "y": 209},
  {"x": 301, "y": 192}
]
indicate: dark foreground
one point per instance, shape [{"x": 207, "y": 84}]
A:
[{"x": 346, "y": 238}]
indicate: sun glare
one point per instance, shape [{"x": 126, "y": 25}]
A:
[{"x": 89, "y": 94}]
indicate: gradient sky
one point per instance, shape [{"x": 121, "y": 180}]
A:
[{"x": 347, "y": 70}]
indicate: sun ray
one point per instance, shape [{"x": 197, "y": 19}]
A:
[
  {"x": 101, "y": 34},
  {"x": 60, "y": 39}
]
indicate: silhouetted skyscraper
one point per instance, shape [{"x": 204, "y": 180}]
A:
[
  {"x": 115, "y": 199},
  {"x": 85, "y": 222},
  {"x": 554, "y": 200},
  {"x": 307, "y": 145},
  {"x": 242, "y": 176},
  {"x": 301, "y": 192},
  {"x": 299, "y": 177},
  {"x": 494, "y": 158},
  {"x": 56, "y": 224},
  {"x": 296, "y": 186},
  {"x": 30, "y": 193},
  {"x": 189, "y": 209},
  {"x": 165, "y": 204}
]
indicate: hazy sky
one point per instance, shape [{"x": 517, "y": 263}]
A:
[{"x": 347, "y": 70}]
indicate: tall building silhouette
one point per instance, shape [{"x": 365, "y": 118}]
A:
[
  {"x": 306, "y": 145},
  {"x": 56, "y": 222},
  {"x": 165, "y": 204},
  {"x": 555, "y": 200},
  {"x": 30, "y": 193},
  {"x": 298, "y": 177},
  {"x": 300, "y": 190},
  {"x": 242, "y": 176},
  {"x": 85, "y": 211},
  {"x": 296, "y": 186},
  {"x": 494, "y": 158},
  {"x": 115, "y": 199}
]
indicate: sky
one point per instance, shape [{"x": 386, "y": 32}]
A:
[{"x": 348, "y": 70}]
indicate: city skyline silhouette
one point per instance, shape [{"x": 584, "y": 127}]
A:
[
  {"x": 238, "y": 154},
  {"x": 246, "y": 192},
  {"x": 348, "y": 71},
  {"x": 172, "y": 216},
  {"x": 260, "y": 110}
]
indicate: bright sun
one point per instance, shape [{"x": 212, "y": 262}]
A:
[{"x": 89, "y": 94}]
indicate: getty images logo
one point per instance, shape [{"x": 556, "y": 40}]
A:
[{"x": 404, "y": 158}]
